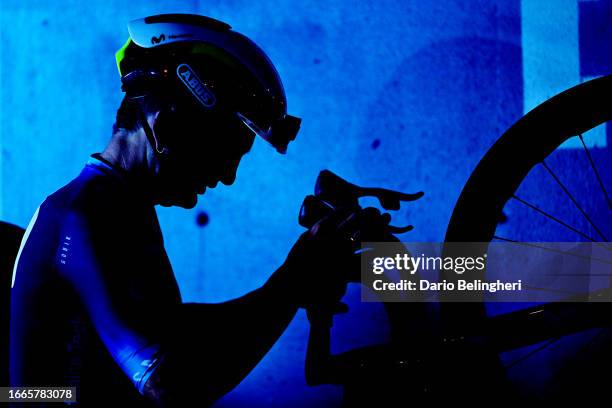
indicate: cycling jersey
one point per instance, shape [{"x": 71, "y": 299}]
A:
[{"x": 91, "y": 289}]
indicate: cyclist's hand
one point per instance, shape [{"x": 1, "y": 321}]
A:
[
  {"x": 322, "y": 261},
  {"x": 317, "y": 263}
]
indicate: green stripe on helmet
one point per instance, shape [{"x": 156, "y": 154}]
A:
[{"x": 120, "y": 55}]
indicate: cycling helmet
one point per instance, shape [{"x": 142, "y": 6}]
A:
[{"x": 203, "y": 61}]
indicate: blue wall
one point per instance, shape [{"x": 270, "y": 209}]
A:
[{"x": 408, "y": 95}]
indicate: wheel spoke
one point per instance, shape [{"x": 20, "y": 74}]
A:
[
  {"x": 552, "y": 341},
  {"x": 532, "y": 352},
  {"x": 529, "y": 244},
  {"x": 571, "y": 197},
  {"x": 601, "y": 184},
  {"x": 552, "y": 217}
]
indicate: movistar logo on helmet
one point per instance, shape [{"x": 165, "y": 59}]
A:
[
  {"x": 202, "y": 93},
  {"x": 157, "y": 40}
]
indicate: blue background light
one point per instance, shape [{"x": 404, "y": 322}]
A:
[{"x": 406, "y": 95}]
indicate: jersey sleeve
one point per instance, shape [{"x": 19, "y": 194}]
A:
[{"x": 87, "y": 257}]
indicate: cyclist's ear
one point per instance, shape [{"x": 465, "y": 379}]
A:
[{"x": 164, "y": 125}]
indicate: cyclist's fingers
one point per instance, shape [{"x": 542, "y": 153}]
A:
[
  {"x": 329, "y": 224},
  {"x": 386, "y": 218},
  {"x": 349, "y": 225},
  {"x": 356, "y": 221},
  {"x": 374, "y": 224}
]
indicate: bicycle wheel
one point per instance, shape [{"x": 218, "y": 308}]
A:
[
  {"x": 502, "y": 170},
  {"x": 527, "y": 143}
]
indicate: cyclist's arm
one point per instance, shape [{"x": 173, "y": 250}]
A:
[
  {"x": 196, "y": 351},
  {"x": 219, "y": 344}
]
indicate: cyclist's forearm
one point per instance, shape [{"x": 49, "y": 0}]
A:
[
  {"x": 247, "y": 326},
  {"x": 256, "y": 319},
  {"x": 217, "y": 345}
]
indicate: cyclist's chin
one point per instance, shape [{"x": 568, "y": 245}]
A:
[{"x": 187, "y": 201}]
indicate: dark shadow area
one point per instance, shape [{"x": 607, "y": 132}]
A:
[{"x": 10, "y": 238}]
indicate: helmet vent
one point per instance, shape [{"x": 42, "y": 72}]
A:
[{"x": 202, "y": 21}]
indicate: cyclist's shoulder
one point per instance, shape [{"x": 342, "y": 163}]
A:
[{"x": 90, "y": 195}]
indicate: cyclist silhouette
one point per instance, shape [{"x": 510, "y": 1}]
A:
[{"x": 94, "y": 301}]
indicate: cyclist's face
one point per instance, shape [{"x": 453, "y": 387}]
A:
[{"x": 202, "y": 152}]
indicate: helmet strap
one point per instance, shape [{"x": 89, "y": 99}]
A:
[{"x": 160, "y": 151}]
